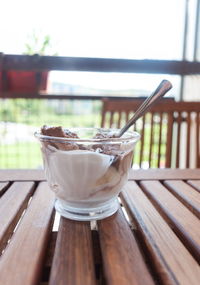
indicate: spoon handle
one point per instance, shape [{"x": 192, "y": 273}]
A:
[{"x": 160, "y": 91}]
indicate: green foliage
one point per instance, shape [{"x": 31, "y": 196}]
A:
[
  {"x": 39, "y": 44},
  {"x": 20, "y": 155},
  {"x": 33, "y": 113}
]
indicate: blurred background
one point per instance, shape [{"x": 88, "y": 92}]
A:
[{"x": 148, "y": 40}]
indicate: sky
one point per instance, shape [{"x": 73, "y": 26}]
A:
[
  {"x": 139, "y": 29},
  {"x": 105, "y": 28}
]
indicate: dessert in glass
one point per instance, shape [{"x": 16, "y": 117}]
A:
[{"x": 86, "y": 168}]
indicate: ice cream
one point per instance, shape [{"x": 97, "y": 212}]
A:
[{"x": 85, "y": 172}]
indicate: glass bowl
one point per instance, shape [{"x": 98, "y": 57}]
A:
[{"x": 87, "y": 174}]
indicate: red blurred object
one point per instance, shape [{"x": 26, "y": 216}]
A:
[{"x": 25, "y": 81}]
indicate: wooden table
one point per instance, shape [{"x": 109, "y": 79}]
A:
[{"x": 158, "y": 244}]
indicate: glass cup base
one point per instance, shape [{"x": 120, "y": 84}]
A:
[{"x": 87, "y": 214}]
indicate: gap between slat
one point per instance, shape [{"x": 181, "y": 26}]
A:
[{"x": 3, "y": 187}]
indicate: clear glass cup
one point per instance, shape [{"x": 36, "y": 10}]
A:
[{"x": 87, "y": 174}]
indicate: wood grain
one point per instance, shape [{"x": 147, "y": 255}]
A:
[
  {"x": 73, "y": 258},
  {"x": 183, "y": 222},
  {"x": 171, "y": 260},
  {"x": 186, "y": 194},
  {"x": 24, "y": 255},
  {"x": 12, "y": 205},
  {"x": 122, "y": 261}
]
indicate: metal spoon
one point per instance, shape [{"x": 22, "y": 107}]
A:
[{"x": 160, "y": 91}]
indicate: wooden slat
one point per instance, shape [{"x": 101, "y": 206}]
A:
[
  {"x": 188, "y": 140},
  {"x": 170, "y": 259},
  {"x": 197, "y": 139},
  {"x": 178, "y": 140},
  {"x": 137, "y": 146},
  {"x": 195, "y": 184},
  {"x": 127, "y": 116},
  {"x": 142, "y": 140},
  {"x": 12, "y": 205},
  {"x": 186, "y": 194},
  {"x": 164, "y": 174},
  {"x": 21, "y": 175},
  {"x": 160, "y": 139},
  {"x": 111, "y": 119},
  {"x": 122, "y": 261},
  {"x": 3, "y": 187},
  {"x": 183, "y": 222},
  {"x": 73, "y": 258},
  {"x": 103, "y": 118},
  {"x": 24, "y": 255},
  {"x": 169, "y": 139},
  {"x": 119, "y": 120},
  {"x": 151, "y": 139}
]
